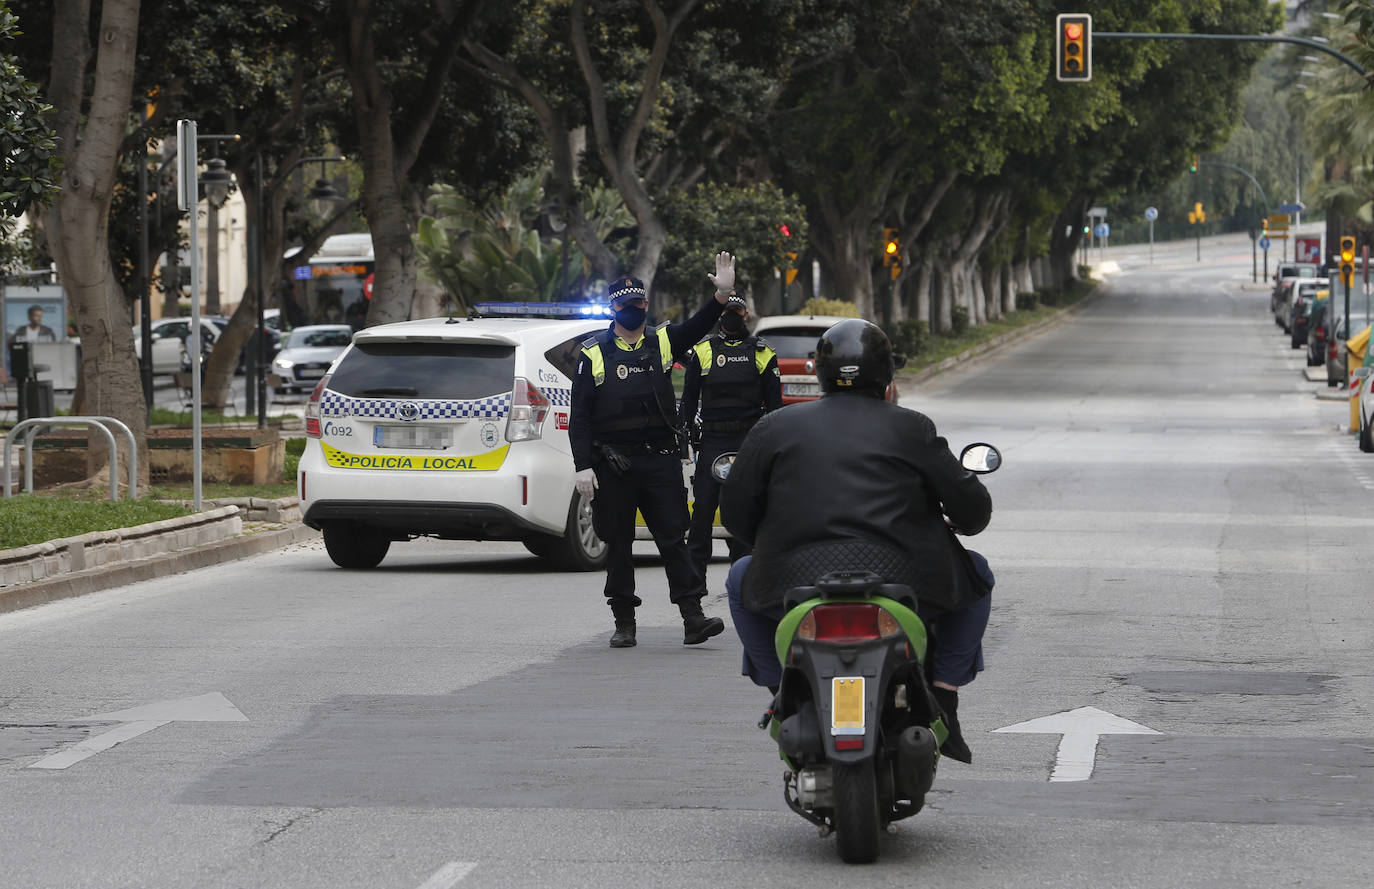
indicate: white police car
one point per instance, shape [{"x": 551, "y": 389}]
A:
[{"x": 452, "y": 428}]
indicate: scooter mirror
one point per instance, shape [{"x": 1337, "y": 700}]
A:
[
  {"x": 720, "y": 467},
  {"x": 980, "y": 458}
]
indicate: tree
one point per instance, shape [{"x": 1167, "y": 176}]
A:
[
  {"x": 29, "y": 162},
  {"x": 90, "y": 89}
]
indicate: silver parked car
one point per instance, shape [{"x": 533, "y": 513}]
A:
[{"x": 306, "y": 354}]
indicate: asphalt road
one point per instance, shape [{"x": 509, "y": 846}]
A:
[{"x": 1180, "y": 537}]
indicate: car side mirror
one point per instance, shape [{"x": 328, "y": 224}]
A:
[
  {"x": 1362, "y": 373},
  {"x": 980, "y": 458},
  {"x": 721, "y": 466},
  {"x": 154, "y": 336},
  {"x": 899, "y": 361}
]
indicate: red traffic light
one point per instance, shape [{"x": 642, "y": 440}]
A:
[
  {"x": 1073, "y": 30},
  {"x": 786, "y": 232}
]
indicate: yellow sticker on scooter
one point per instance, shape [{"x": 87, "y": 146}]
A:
[{"x": 847, "y": 705}]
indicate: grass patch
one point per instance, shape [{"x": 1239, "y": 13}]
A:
[
  {"x": 223, "y": 491},
  {"x": 28, "y": 518},
  {"x": 162, "y": 416}
]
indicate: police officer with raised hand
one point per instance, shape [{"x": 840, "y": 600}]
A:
[
  {"x": 733, "y": 377},
  {"x": 627, "y": 453}
]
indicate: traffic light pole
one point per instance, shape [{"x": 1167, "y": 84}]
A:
[{"x": 1234, "y": 38}]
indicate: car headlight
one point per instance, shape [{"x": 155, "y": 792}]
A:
[{"x": 284, "y": 363}]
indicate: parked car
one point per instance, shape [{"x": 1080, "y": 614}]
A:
[
  {"x": 306, "y": 354},
  {"x": 1335, "y": 357},
  {"x": 1284, "y": 274},
  {"x": 1292, "y": 289},
  {"x": 1302, "y": 315},
  {"x": 794, "y": 338},
  {"x": 168, "y": 334},
  {"x": 1318, "y": 328}
]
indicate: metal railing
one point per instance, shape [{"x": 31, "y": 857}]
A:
[{"x": 31, "y": 429}]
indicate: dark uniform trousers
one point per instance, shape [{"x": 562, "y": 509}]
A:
[
  {"x": 706, "y": 499},
  {"x": 653, "y": 485}
]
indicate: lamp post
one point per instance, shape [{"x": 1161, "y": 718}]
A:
[
  {"x": 320, "y": 196},
  {"x": 217, "y": 181}
]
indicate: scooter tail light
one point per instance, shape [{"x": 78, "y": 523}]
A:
[
  {"x": 887, "y": 624},
  {"x": 529, "y": 407},
  {"x": 312, "y": 408},
  {"x": 807, "y": 628},
  {"x": 846, "y": 622}
]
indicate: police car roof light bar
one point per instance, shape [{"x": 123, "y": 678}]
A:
[{"x": 538, "y": 310}]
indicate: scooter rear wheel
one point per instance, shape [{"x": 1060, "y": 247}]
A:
[{"x": 857, "y": 823}]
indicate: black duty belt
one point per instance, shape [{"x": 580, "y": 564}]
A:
[
  {"x": 726, "y": 426},
  {"x": 640, "y": 447}
]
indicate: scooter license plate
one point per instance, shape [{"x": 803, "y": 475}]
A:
[{"x": 847, "y": 705}]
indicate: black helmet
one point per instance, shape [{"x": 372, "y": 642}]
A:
[{"x": 854, "y": 355}]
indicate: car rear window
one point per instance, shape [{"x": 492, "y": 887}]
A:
[
  {"x": 425, "y": 370},
  {"x": 793, "y": 342}
]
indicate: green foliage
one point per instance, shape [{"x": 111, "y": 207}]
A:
[
  {"x": 958, "y": 321},
  {"x": 291, "y": 462},
  {"x": 818, "y": 305},
  {"x": 30, "y": 518},
  {"x": 498, "y": 253},
  {"x": 909, "y": 337},
  {"x": 29, "y": 161},
  {"x": 742, "y": 220}
]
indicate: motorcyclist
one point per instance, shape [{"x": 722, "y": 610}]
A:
[{"x": 851, "y": 481}]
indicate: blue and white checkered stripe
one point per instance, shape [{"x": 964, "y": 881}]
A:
[
  {"x": 332, "y": 404},
  {"x": 558, "y": 397}
]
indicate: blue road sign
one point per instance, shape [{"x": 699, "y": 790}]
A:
[
  {"x": 1102, "y": 230},
  {"x": 1292, "y": 208},
  {"x": 1151, "y": 214},
  {"x": 1264, "y": 243},
  {"x": 302, "y": 272}
]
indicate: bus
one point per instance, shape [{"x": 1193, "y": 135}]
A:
[{"x": 335, "y": 286}]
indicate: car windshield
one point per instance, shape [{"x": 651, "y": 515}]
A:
[
  {"x": 310, "y": 339},
  {"x": 425, "y": 370},
  {"x": 793, "y": 342}
]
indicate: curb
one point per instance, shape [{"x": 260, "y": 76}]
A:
[
  {"x": 94, "y": 580},
  {"x": 1012, "y": 336}
]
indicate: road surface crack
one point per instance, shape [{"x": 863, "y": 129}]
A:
[{"x": 283, "y": 827}]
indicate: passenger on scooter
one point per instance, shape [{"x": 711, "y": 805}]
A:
[{"x": 851, "y": 481}]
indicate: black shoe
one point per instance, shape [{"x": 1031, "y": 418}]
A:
[
  {"x": 954, "y": 746},
  {"x": 624, "y": 635},
  {"x": 699, "y": 628}
]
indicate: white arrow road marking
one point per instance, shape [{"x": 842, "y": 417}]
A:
[
  {"x": 449, "y": 875},
  {"x": 213, "y": 707},
  {"x": 1081, "y": 728}
]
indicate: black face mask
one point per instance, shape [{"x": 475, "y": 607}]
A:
[
  {"x": 732, "y": 325},
  {"x": 631, "y": 317}
]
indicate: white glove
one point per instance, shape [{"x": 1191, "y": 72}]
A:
[
  {"x": 724, "y": 278},
  {"x": 586, "y": 483}
]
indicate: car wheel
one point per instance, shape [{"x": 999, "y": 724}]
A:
[
  {"x": 1367, "y": 438},
  {"x": 579, "y": 549},
  {"x": 354, "y": 546}
]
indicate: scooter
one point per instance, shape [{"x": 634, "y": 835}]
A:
[{"x": 854, "y": 719}]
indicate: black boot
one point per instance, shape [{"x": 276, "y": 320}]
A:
[
  {"x": 624, "y": 635},
  {"x": 954, "y": 746},
  {"x": 697, "y": 627}
]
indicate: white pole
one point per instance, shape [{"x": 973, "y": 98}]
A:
[{"x": 189, "y": 194}]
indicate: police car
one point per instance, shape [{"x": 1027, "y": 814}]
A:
[{"x": 452, "y": 428}]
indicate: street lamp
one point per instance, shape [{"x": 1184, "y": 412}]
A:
[
  {"x": 217, "y": 181},
  {"x": 324, "y": 195}
]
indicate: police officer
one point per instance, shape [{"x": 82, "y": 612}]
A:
[
  {"x": 627, "y": 454},
  {"x": 734, "y": 377}
]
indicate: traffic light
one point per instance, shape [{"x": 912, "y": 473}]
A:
[
  {"x": 1073, "y": 47},
  {"x": 1348, "y": 262},
  {"x": 892, "y": 248},
  {"x": 1192, "y": 168},
  {"x": 1264, "y": 225},
  {"x": 1197, "y": 209}
]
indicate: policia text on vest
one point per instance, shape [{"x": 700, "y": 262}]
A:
[
  {"x": 623, "y": 426},
  {"x": 733, "y": 382}
]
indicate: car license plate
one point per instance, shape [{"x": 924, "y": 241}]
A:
[
  {"x": 801, "y": 389},
  {"x": 847, "y": 705},
  {"x": 310, "y": 373},
  {"x": 419, "y": 437}
]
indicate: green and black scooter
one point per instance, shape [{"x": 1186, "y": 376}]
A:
[{"x": 854, "y": 718}]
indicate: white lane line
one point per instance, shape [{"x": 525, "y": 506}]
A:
[{"x": 449, "y": 875}]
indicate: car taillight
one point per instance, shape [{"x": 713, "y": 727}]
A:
[
  {"x": 1331, "y": 350},
  {"x": 1320, "y": 332},
  {"x": 528, "y": 409},
  {"x": 847, "y": 622},
  {"x": 312, "y": 408}
]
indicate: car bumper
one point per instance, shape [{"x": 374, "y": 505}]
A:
[{"x": 530, "y": 493}]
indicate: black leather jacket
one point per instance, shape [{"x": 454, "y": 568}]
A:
[{"x": 854, "y": 469}]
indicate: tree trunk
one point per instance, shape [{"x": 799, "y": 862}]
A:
[{"x": 78, "y": 223}]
